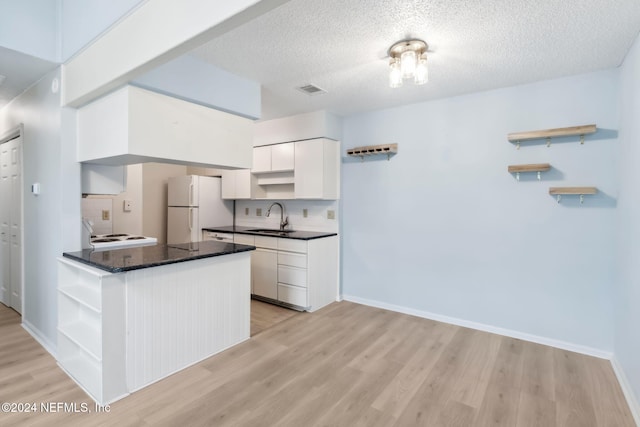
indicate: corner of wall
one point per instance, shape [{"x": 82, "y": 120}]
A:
[{"x": 634, "y": 406}]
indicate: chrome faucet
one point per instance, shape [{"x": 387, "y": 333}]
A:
[{"x": 283, "y": 221}]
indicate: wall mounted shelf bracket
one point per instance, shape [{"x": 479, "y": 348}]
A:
[
  {"x": 536, "y": 167},
  {"x": 579, "y": 191}
]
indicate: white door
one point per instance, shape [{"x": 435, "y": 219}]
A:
[
  {"x": 11, "y": 223},
  {"x": 5, "y": 228},
  {"x": 182, "y": 225}
]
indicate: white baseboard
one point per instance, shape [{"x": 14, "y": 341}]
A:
[
  {"x": 632, "y": 401},
  {"x": 35, "y": 333},
  {"x": 486, "y": 328}
]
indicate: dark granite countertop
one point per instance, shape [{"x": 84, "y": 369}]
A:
[
  {"x": 300, "y": 235},
  {"x": 137, "y": 257}
]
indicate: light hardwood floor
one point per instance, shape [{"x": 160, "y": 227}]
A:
[
  {"x": 264, "y": 316},
  {"x": 345, "y": 365}
]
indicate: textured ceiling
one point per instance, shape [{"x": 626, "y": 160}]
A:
[{"x": 475, "y": 45}]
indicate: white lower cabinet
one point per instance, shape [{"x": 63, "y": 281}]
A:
[
  {"x": 264, "y": 273},
  {"x": 292, "y": 295},
  {"x": 301, "y": 273},
  {"x": 292, "y": 275}
]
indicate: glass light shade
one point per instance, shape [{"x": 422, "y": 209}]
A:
[
  {"x": 395, "y": 75},
  {"x": 408, "y": 63},
  {"x": 422, "y": 72}
]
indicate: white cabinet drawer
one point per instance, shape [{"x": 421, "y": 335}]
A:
[
  {"x": 292, "y": 259},
  {"x": 266, "y": 242},
  {"x": 292, "y": 295},
  {"x": 244, "y": 239},
  {"x": 292, "y": 245},
  {"x": 292, "y": 275}
]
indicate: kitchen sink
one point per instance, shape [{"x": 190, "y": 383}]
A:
[{"x": 270, "y": 231}]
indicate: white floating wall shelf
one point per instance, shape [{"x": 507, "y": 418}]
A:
[{"x": 373, "y": 150}]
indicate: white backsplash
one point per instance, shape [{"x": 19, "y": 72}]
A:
[
  {"x": 316, "y": 220},
  {"x": 92, "y": 208}
]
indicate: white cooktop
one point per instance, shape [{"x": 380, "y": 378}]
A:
[{"x": 115, "y": 241}]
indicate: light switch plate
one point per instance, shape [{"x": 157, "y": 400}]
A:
[
  {"x": 331, "y": 214},
  {"x": 258, "y": 211},
  {"x": 305, "y": 213},
  {"x": 246, "y": 211},
  {"x": 126, "y": 205},
  {"x": 106, "y": 215}
]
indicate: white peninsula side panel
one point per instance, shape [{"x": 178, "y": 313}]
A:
[
  {"x": 179, "y": 314},
  {"x": 118, "y": 332}
]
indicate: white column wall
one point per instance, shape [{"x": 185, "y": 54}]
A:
[
  {"x": 51, "y": 219},
  {"x": 627, "y": 291}
]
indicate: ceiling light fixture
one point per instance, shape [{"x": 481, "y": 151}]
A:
[{"x": 408, "y": 61}]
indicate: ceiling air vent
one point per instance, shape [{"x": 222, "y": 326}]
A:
[{"x": 311, "y": 89}]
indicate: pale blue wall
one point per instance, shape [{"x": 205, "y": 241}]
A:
[
  {"x": 443, "y": 228},
  {"x": 197, "y": 81},
  {"x": 56, "y": 29},
  {"x": 30, "y": 26},
  {"x": 627, "y": 303}
]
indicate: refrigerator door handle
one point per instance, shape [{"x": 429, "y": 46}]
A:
[
  {"x": 191, "y": 193},
  {"x": 190, "y": 219}
]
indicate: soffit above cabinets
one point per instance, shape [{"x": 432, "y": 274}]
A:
[{"x": 133, "y": 125}]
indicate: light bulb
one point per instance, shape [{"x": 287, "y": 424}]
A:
[
  {"x": 422, "y": 72},
  {"x": 395, "y": 75},
  {"x": 408, "y": 63}
]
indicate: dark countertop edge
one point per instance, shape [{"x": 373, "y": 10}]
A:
[
  {"x": 230, "y": 229},
  {"x": 153, "y": 264}
]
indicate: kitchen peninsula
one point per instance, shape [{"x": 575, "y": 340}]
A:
[{"x": 129, "y": 317}]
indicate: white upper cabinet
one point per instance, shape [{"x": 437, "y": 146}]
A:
[
  {"x": 239, "y": 184},
  {"x": 317, "y": 169},
  {"x": 101, "y": 179},
  {"x": 296, "y": 157},
  {"x": 261, "y": 159},
  {"x": 134, "y": 125},
  {"x": 295, "y": 170},
  {"x": 282, "y": 157},
  {"x": 273, "y": 158}
]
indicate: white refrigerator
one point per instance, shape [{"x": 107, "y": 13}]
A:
[{"x": 195, "y": 202}]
